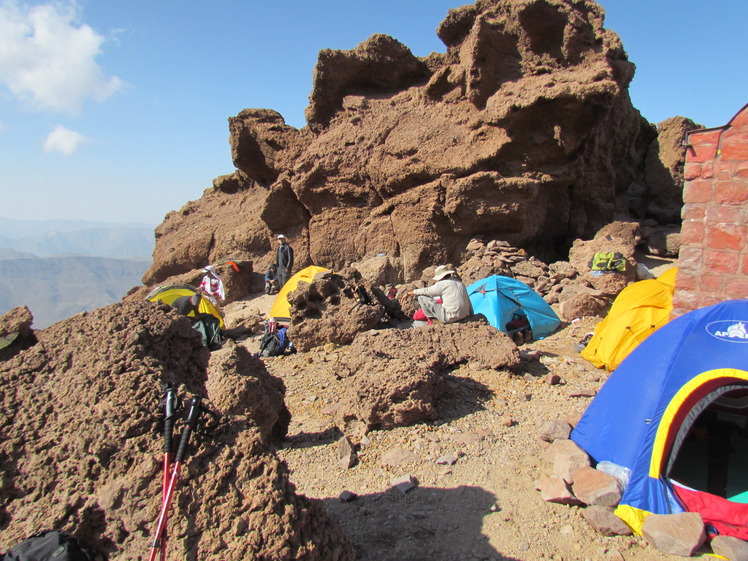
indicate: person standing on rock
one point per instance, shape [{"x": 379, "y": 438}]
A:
[
  {"x": 446, "y": 301},
  {"x": 284, "y": 260}
]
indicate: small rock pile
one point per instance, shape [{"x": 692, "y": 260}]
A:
[{"x": 574, "y": 481}]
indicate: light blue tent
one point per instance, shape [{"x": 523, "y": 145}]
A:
[{"x": 498, "y": 298}]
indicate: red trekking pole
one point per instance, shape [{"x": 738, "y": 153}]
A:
[
  {"x": 171, "y": 404},
  {"x": 159, "y": 536}
]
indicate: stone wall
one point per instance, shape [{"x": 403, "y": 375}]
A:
[{"x": 713, "y": 262}]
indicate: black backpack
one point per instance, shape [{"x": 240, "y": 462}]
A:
[
  {"x": 52, "y": 545},
  {"x": 274, "y": 343}
]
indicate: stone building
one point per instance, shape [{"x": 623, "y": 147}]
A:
[{"x": 713, "y": 261}]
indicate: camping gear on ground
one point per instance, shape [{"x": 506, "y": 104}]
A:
[
  {"x": 209, "y": 328},
  {"x": 639, "y": 309},
  {"x": 676, "y": 410},
  {"x": 193, "y": 417},
  {"x": 498, "y": 298},
  {"x": 168, "y": 293},
  {"x": 53, "y": 545},
  {"x": 208, "y": 321},
  {"x": 280, "y": 310},
  {"x": 607, "y": 262},
  {"x": 274, "y": 343}
]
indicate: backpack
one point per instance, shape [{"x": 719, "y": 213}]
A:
[
  {"x": 53, "y": 545},
  {"x": 209, "y": 328},
  {"x": 363, "y": 296},
  {"x": 607, "y": 261},
  {"x": 274, "y": 343}
]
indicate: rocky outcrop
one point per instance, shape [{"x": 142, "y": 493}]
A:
[
  {"x": 663, "y": 173},
  {"x": 395, "y": 377},
  {"x": 82, "y": 443},
  {"x": 522, "y": 131},
  {"x": 331, "y": 309}
]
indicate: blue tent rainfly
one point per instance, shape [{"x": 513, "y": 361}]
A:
[
  {"x": 690, "y": 373},
  {"x": 499, "y": 298}
]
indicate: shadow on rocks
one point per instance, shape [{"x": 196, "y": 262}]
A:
[
  {"x": 462, "y": 397},
  {"x": 424, "y": 524},
  {"x": 310, "y": 439}
]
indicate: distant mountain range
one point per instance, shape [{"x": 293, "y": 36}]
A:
[
  {"x": 59, "y": 268},
  {"x": 45, "y": 238}
]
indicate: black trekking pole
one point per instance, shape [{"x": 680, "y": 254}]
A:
[
  {"x": 193, "y": 417},
  {"x": 171, "y": 404}
]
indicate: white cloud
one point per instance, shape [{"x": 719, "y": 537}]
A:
[
  {"x": 64, "y": 140},
  {"x": 47, "y": 57}
]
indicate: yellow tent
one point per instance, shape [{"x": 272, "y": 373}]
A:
[
  {"x": 639, "y": 310},
  {"x": 281, "y": 308},
  {"x": 167, "y": 295}
]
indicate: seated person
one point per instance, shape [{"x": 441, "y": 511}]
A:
[
  {"x": 455, "y": 303},
  {"x": 270, "y": 276}
]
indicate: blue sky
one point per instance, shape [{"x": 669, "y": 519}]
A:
[{"x": 117, "y": 110}]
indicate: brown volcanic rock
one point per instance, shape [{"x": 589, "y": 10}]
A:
[
  {"x": 238, "y": 384},
  {"x": 15, "y": 332},
  {"x": 665, "y": 162},
  {"x": 261, "y": 144},
  {"x": 523, "y": 131},
  {"x": 397, "y": 376},
  {"x": 379, "y": 65},
  {"x": 616, "y": 237},
  {"x": 81, "y": 446},
  {"x": 328, "y": 310}
]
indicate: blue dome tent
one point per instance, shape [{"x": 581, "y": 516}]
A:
[
  {"x": 675, "y": 413},
  {"x": 499, "y": 298}
]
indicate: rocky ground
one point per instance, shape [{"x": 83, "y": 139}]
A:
[{"x": 473, "y": 470}]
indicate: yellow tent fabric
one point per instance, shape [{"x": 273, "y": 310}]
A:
[
  {"x": 639, "y": 310},
  {"x": 167, "y": 295},
  {"x": 281, "y": 308}
]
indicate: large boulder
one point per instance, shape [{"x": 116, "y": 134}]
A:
[
  {"x": 522, "y": 131},
  {"x": 331, "y": 309},
  {"x": 240, "y": 385},
  {"x": 616, "y": 237}
]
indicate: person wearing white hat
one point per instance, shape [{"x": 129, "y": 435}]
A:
[
  {"x": 284, "y": 261},
  {"x": 455, "y": 302}
]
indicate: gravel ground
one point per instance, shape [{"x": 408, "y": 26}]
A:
[{"x": 473, "y": 470}]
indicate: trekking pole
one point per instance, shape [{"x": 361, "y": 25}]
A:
[
  {"x": 193, "y": 417},
  {"x": 171, "y": 404}
]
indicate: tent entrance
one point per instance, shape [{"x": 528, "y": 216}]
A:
[{"x": 711, "y": 450}]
